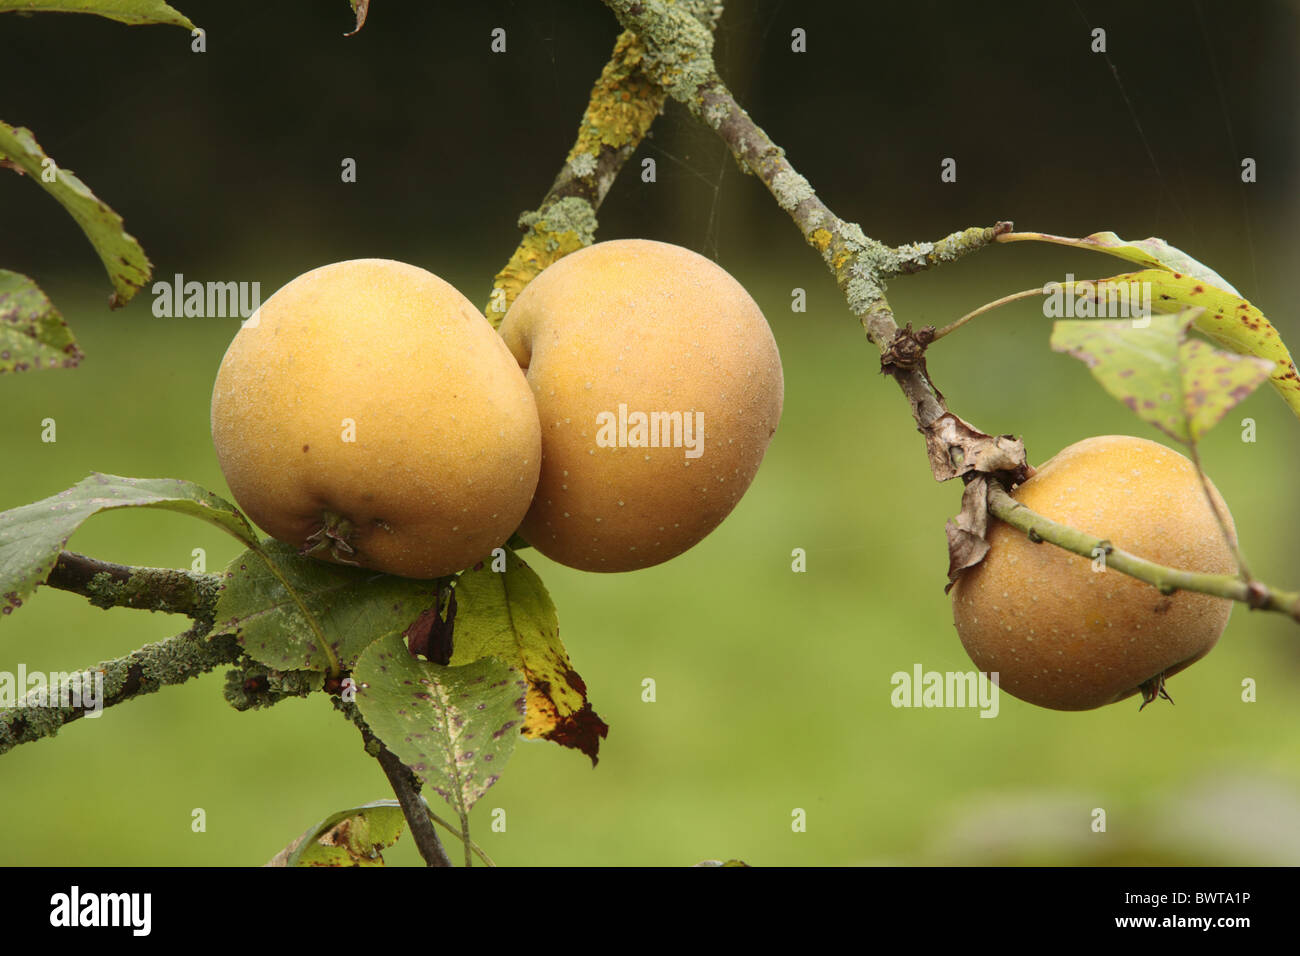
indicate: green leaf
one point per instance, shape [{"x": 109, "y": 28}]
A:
[
  {"x": 354, "y": 607},
  {"x": 1151, "y": 252},
  {"x": 133, "y": 12},
  {"x": 352, "y": 837},
  {"x": 128, "y": 267},
  {"x": 32, "y": 333},
  {"x": 455, "y": 727},
  {"x": 1183, "y": 387},
  {"x": 1228, "y": 320},
  {"x": 510, "y": 616},
  {"x": 1179, "y": 282},
  {"x": 32, "y": 536}
]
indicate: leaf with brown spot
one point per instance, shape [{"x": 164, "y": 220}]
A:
[
  {"x": 32, "y": 333},
  {"x": 128, "y": 267},
  {"x": 353, "y": 606},
  {"x": 510, "y": 616},
  {"x": 1152, "y": 252},
  {"x": 1228, "y": 320},
  {"x": 455, "y": 727},
  {"x": 1182, "y": 387},
  {"x": 1179, "y": 282},
  {"x": 31, "y": 536},
  {"x": 353, "y": 837}
]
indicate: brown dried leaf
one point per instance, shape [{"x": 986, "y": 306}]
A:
[
  {"x": 361, "y": 8},
  {"x": 967, "y": 545},
  {"x": 957, "y": 448}
]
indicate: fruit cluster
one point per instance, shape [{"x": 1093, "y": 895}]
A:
[{"x": 369, "y": 414}]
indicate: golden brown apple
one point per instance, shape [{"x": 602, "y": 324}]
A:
[
  {"x": 1060, "y": 632},
  {"x": 369, "y": 414},
  {"x": 659, "y": 386}
]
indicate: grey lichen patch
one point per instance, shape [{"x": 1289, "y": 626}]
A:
[
  {"x": 958, "y": 244},
  {"x": 715, "y": 113},
  {"x": 253, "y": 685},
  {"x": 862, "y": 293},
  {"x": 571, "y": 214},
  {"x": 144, "y": 671},
  {"x": 105, "y": 590},
  {"x": 852, "y": 238},
  {"x": 582, "y": 164},
  {"x": 790, "y": 189},
  {"x": 29, "y": 723},
  {"x": 814, "y": 218},
  {"x": 177, "y": 660},
  {"x": 916, "y": 253},
  {"x": 158, "y": 589},
  {"x": 679, "y": 46}
]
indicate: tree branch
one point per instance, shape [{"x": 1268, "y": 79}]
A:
[
  {"x": 678, "y": 56},
  {"x": 405, "y": 784},
  {"x": 154, "y": 589},
  {"x": 143, "y": 671},
  {"x": 623, "y": 104},
  {"x": 407, "y": 789},
  {"x": 1253, "y": 593}
]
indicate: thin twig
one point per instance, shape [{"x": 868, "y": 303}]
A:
[
  {"x": 1168, "y": 580},
  {"x": 405, "y": 784},
  {"x": 407, "y": 788},
  {"x": 1229, "y": 538},
  {"x": 478, "y": 850},
  {"x": 986, "y": 307}
]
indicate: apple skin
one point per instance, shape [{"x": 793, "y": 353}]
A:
[
  {"x": 653, "y": 328},
  {"x": 1064, "y": 636},
  {"x": 447, "y": 444}
]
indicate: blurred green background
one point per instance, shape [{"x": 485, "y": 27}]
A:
[{"x": 773, "y": 687}]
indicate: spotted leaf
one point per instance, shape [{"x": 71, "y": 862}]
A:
[
  {"x": 510, "y": 616},
  {"x": 32, "y": 333},
  {"x": 455, "y": 727},
  {"x": 1183, "y": 387}
]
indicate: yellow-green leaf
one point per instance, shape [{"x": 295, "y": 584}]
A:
[
  {"x": 128, "y": 267},
  {"x": 1179, "y": 282},
  {"x": 1183, "y": 387},
  {"x": 32, "y": 333},
  {"x": 1225, "y": 317},
  {"x": 509, "y": 615},
  {"x": 1151, "y": 252},
  {"x": 354, "y": 837}
]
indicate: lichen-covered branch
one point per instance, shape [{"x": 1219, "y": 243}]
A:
[
  {"x": 143, "y": 671},
  {"x": 623, "y": 104},
  {"x": 154, "y": 589},
  {"x": 1168, "y": 580},
  {"x": 679, "y": 56}
]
